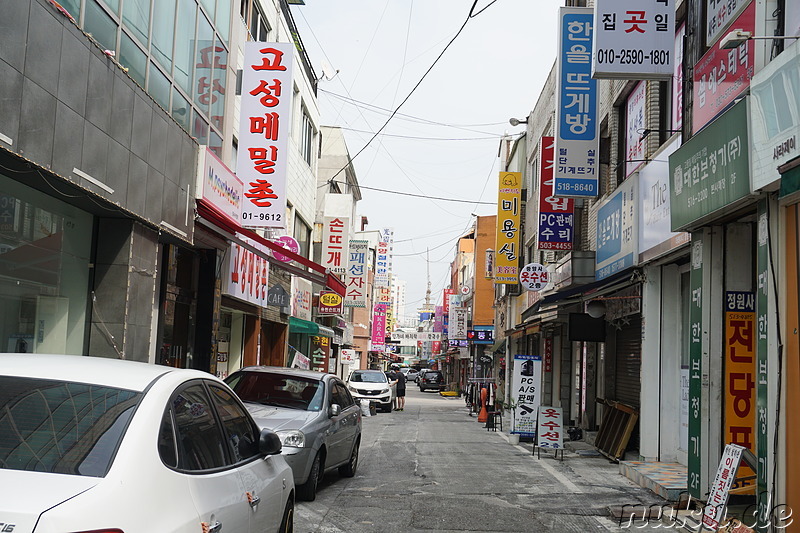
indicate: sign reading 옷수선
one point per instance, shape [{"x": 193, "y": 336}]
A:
[
  {"x": 577, "y": 128},
  {"x": 633, "y": 40},
  {"x": 550, "y": 428},
  {"x": 264, "y": 132},
  {"x": 534, "y": 277},
  {"x": 711, "y": 170},
  {"x": 526, "y": 393}
]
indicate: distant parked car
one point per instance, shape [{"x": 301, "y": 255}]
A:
[
  {"x": 96, "y": 444},
  {"x": 373, "y": 386},
  {"x": 313, "y": 413},
  {"x": 411, "y": 374},
  {"x": 431, "y": 379}
]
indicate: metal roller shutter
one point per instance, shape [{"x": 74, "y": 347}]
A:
[{"x": 628, "y": 383}]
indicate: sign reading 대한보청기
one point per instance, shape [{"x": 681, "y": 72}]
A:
[
  {"x": 711, "y": 170},
  {"x": 633, "y": 39},
  {"x": 577, "y": 129}
]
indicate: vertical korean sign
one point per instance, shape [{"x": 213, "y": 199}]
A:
[
  {"x": 526, "y": 394},
  {"x": 506, "y": 264},
  {"x": 356, "y": 284},
  {"x": 378, "y": 339},
  {"x": 264, "y": 132},
  {"x": 635, "y": 140},
  {"x": 383, "y": 258},
  {"x": 740, "y": 370},
  {"x": 762, "y": 347},
  {"x": 556, "y": 215},
  {"x": 695, "y": 363},
  {"x": 335, "y": 239},
  {"x": 577, "y": 128},
  {"x": 320, "y": 353}
]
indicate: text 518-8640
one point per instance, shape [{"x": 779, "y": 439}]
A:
[{"x": 262, "y": 216}]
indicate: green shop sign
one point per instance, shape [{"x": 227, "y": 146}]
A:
[{"x": 711, "y": 170}]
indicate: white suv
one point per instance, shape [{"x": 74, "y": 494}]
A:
[{"x": 372, "y": 385}]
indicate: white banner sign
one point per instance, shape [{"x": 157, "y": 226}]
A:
[
  {"x": 526, "y": 394},
  {"x": 633, "y": 39},
  {"x": 534, "y": 277},
  {"x": 412, "y": 337},
  {"x": 335, "y": 241},
  {"x": 356, "y": 280},
  {"x": 266, "y": 117},
  {"x": 457, "y": 328},
  {"x": 635, "y": 140},
  {"x": 220, "y": 187},
  {"x": 246, "y": 274},
  {"x": 550, "y": 428},
  {"x": 348, "y": 357},
  {"x": 302, "y": 297},
  {"x": 720, "y": 13},
  {"x": 716, "y": 508},
  {"x": 301, "y": 361}
]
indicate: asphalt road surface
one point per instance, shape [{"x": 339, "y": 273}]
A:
[{"x": 432, "y": 467}]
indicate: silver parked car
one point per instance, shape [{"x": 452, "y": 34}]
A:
[{"x": 313, "y": 413}]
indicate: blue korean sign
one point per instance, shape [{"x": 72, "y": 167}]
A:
[
  {"x": 617, "y": 230},
  {"x": 577, "y": 129}
]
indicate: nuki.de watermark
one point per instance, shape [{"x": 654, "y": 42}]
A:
[{"x": 689, "y": 515}]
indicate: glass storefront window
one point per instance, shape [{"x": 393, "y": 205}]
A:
[
  {"x": 113, "y": 5},
  {"x": 163, "y": 32},
  {"x": 180, "y": 109},
  {"x": 136, "y": 17},
  {"x": 200, "y": 129},
  {"x": 73, "y": 7},
  {"x": 210, "y": 7},
  {"x": 204, "y": 59},
  {"x": 133, "y": 58},
  {"x": 45, "y": 249},
  {"x": 184, "y": 44},
  {"x": 217, "y": 89},
  {"x": 100, "y": 25},
  {"x": 215, "y": 143},
  {"x": 158, "y": 86},
  {"x": 223, "y": 19}
]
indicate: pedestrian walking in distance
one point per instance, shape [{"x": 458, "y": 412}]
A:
[{"x": 399, "y": 379}]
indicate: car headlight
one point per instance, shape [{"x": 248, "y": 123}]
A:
[
  {"x": 384, "y": 391},
  {"x": 292, "y": 438},
  {"x": 352, "y": 388}
]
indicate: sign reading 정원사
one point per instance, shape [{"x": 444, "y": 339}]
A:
[
  {"x": 633, "y": 40},
  {"x": 577, "y": 128}
]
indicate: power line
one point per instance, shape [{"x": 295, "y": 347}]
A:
[
  {"x": 425, "y": 138},
  {"x": 330, "y": 181},
  {"x": 413, "y": 89}
]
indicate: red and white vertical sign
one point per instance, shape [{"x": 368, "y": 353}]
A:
[
  {"x": 635, "y": 141},
  {"x": 378, "y": 338},
  {"x": 550, "y": 428},
  {"x": 556, "y": 215},
  {"x": 247, "y": 274},
  {"x": 548, "y": 354},
  {"x": 715, "y": 510},
  {"x": 264, "y": 132},
  {"x": 335, "y": 243},
  {"x": 677, "y": 80}
]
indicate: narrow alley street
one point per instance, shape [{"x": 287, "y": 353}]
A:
[{"x": 432, "y": 467}]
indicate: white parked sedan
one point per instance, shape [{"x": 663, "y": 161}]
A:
[{"x": 103, "y": 445}]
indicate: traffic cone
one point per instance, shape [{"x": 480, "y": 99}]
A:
[{"x": 483, "y": 415}]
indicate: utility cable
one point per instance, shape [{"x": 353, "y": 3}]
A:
[{"x": 329, "y": 182}]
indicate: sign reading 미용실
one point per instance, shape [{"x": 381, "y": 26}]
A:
[
  {"x": 509, "y": 208},
  {"x": 633, "y": 40},
  {"x": 711, "y": 170},
  {"x": 577, "y": 129},
  {"x": 266, "y": 116},
  {"x": 556, "y": 215},
  {"x": 526, "y": 393}
]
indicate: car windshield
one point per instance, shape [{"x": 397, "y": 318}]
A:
[
  {"x": 368, "y": 377},
  {"x": 279, "y": 390},
  {"x": 62, "y": 427}
]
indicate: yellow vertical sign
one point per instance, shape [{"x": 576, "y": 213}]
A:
[
  {"x": 506, "y": 263},
  {"x": 740, "y": 374}
]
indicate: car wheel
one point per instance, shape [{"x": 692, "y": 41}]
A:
[
  {"x": 287, "y": 524},
  {"x": 308, "y": 490},
  {"x": 349, "y": 469},
  {"x": 387, "y": 408}
]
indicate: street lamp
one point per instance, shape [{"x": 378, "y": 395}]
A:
[
  {"x": 517, "y": 122},
  {"x": 737, "y": 37}
]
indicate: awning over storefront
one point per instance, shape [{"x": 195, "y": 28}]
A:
[
  {"x": 213, "y": 219},
  {"x": 499, "y": 346},
  {"x": 790, "y": 177},
  {"x": 306, "y": 327}
]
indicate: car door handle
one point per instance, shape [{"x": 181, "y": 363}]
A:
[
  {"x": 252, "y": 499},
  {"x": 213, "y": 528}
]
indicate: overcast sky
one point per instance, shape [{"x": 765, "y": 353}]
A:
[{"x": 494, "y": 70}]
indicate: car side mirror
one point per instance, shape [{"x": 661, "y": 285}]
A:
[
  {"x": 336, "y": 409},
  {"x": 269, "y": 443}
]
